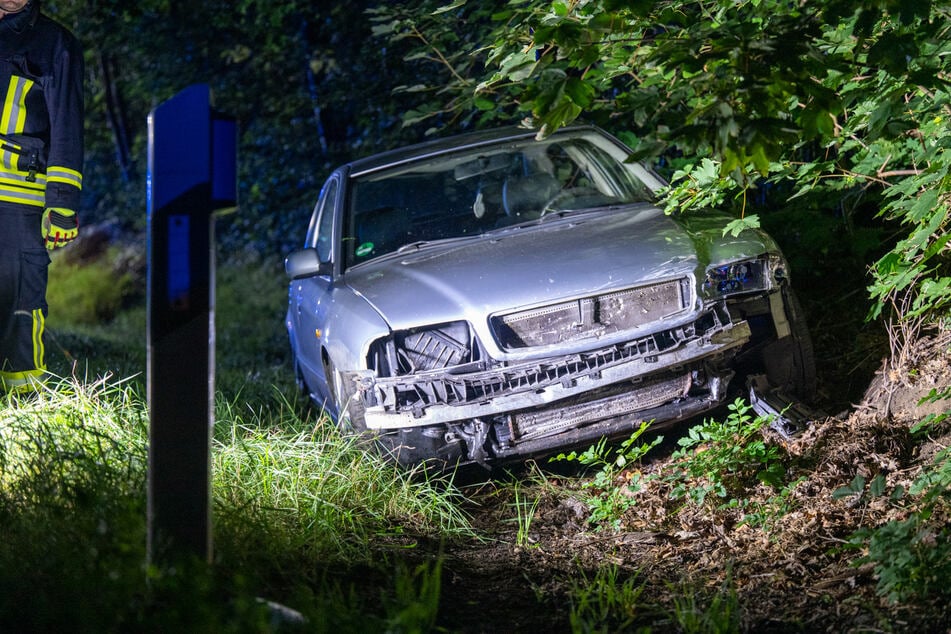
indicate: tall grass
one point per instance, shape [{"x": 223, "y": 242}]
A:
[
  {"x": 72, "y": 506},
  {"x": 297, "y": 509},
  {"x": 293, "y": 484}
]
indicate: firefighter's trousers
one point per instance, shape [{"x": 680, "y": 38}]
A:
[{"x": 24, "y": 263}]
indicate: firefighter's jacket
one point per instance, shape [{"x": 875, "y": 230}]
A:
[{"x": 41, "y": 136}]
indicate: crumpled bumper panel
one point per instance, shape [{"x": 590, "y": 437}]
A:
[{"x": 441, "y": 396}]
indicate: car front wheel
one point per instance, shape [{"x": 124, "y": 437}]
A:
[{"x": 348, "y": 406}]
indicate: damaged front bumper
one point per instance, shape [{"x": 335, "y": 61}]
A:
[{"x": 638, "y": 376}]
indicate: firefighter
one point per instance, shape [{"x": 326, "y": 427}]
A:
[{"x": 41, "y": 153}]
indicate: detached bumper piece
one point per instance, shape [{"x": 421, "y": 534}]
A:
[{"x": 788, "y": 418}]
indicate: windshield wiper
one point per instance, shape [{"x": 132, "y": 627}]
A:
[
  {"x": 419, "y": 244},
  {"x": 561, "y": 213},
  {"x": 409, "y": 246}
]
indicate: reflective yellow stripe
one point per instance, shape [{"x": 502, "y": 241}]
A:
[
  {"x": 15, "y": 179},
  {"x": 9, "y": 158},
  {"x": 57, "y": 174},
  {"x": 22, "y": 381},
  {"x": 14, "y": 188},
  {"x": 14, "y": 106},
  {"x": 29, "y": 380},
  {"x": 22, "y": 197},
  {"x": 39, "y": 352}
]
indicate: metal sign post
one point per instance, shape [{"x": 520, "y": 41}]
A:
[{"x": 192, "y": 172}]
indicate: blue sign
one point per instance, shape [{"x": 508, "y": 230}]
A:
[
  {"x": 179, "y": 146},
  {"x": 179, "y": 280}
]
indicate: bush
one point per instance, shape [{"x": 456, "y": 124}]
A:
[{"x": 87, "y": 293}]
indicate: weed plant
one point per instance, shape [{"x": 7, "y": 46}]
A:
[
  {"x": 606, "y": 602},
  {"x": 525, "y": 507},
  {"x": 610, "y": 498},
  {"x": 725, "y": 458},
  {"x": 718, "y": 614},
  {"x": 718, "y": 460},
  {"x": 911, "y": 556}
]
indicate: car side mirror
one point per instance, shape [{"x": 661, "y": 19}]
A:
[{"x": 305, "y": 263}]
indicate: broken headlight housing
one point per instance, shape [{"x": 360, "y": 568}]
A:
[
  {"x": 422, "y": 349},
  {"x": 744, "y": 276}
]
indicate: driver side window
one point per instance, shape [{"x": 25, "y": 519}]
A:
[{"x": 322, "y": 238}]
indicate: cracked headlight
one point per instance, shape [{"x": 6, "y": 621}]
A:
[
  {"x": 744, "y": 276},
  {"x": 421, "y": 349}
]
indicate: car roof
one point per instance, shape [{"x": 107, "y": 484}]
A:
[{"x": 455, "y": 142}]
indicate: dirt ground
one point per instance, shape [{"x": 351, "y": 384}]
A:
[{"x": 797, "y": 575}]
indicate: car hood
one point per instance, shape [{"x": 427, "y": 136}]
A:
[{"x": 538, "y": 264}]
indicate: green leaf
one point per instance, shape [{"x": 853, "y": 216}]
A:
[
  {"x": 579, "y": 91},
  {"x": 876, "y": 487},
  {"x": 562, "y": 114},
  {"x": 855, "y": 487},
  {"x": 760, "y": 159},
  {"x": 925, "y": 205},
  {"x": 518, "y": 66},
  {"x": 772, "y": 476},
  {"x": 484, "y": 104},
  {"x": 452, "y": 6},
  {"x": 739, "y": 225}
]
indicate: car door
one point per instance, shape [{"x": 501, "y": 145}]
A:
[{"x": 310, "y": 296}]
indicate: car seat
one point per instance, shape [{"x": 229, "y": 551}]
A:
[{"x": 525, "y": 197}]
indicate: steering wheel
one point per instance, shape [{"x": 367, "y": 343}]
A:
[{"x": 573, "y": 192}]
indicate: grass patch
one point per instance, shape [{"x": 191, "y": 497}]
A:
[
  {"x": 89, "y": 336},
  {"x": 291, "y": 484},
  {"x": 298, "y": 511},
  {"x": 72, "y": 507},
  {"x": 606, "y": 602},
  {"x": 251, "y": 348}
]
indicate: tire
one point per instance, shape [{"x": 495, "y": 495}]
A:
[
  {"x": 348, "y": 406},
  {"x": 790, "y": 362},
  {"x": 804, "y": 352},
  {"x": 406, "y": 447}
]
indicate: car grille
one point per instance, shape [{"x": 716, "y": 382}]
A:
[{"x": 593, "y": 316}]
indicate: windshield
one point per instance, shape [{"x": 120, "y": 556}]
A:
[{"x": 479, "y": 189}]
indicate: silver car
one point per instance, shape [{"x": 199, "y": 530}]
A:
[{"x": 492, "y": 297}]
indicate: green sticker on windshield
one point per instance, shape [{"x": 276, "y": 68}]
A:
[{"x": 364, "y": 249}]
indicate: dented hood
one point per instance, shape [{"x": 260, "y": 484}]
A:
[{"x": 533, "y": 265}]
